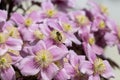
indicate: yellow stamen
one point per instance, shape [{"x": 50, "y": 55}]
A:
[
  {"x": 67, "y": 27},
  {"x": 5, "y": 61},
  {"x": 99, "y": 66},
  {"x": 38, "y": 34},
  {"x": 51, "y": 13},
  {"x": 65, "y": 60},
  {"x": 82, "y": 19},
  {"x": 57, "y": 36},
  {"x": 104, "y": 9},
  {"x": 91, "y": 41},
  {"x": 44, "y": 58},
  {"x": 3, "y": 37},
  {"x": 28, "y": 22},
  {"x": 13, "y": 32},
  {"x": 102, "y": 24}
]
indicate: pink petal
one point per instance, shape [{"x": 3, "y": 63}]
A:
[
  {"x": 110, "y": 41},
  {"x": 62, "y": 75},
  {"x": 7, "y": 74},
  {"x": 74, "y": 39},
  {"x": 73, "y": 58},
  {"x": 39, "y": 46},
  {"x": 27, "y": 35},
  {"x": 18, "y": 18},
  {"x": 108, "y": 73},
  {"x": 47, "y": 5},
  {"x": 57, "y": 53},
  {"x": 94, "y": 77},
  {"x": 86, "y": 67},
  {"x": 97, "y": 50},
  {"x": 3, "y": 49},
  {"x": 49, "y": 72},
  {"x": 28, "y": 66},
  {"x": 3, "y": 15},
  {"x": 69, "y": 69},
  {"x": 14, "y": 44}
]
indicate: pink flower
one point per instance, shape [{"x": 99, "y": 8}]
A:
[
  {"x": 26, "y": 25},
  {"x": 49, "y": 11},
  {"x": 42, "y": 61},
  {"x": 63, "y": 31},
  {"x": 6, "y": 61},
  {"x": 72, "y": 65},
  {"x": 96, "y": 68}
]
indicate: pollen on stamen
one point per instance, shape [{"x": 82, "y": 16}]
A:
[
  {"x": 43, "y": 58},
  {"x": 3, "y": 37},
  {"x": 50, "y": 12},
  {"x": 99, "y": 66},
  {"x": 67, "y": 27},
  {"x": 38, "y": 34},
  {"x": 28, "y": 22},
  {"x": 91, "y": 41},
  {"x": 102, "y": 24},
  {"x": 5, "y": 61},
  {"x": 82, "y": 19},
  {"x": 13, "y": 32},
  {"x": 104, "y": 9}
]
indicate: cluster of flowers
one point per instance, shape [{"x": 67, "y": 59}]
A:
[{"x": 54, "y": 45}]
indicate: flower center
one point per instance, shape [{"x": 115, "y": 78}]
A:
[
  {"x": 57, "y": 36},
  {"x": 82, "y": 19},
  {"x": 5, "y": 61},
  {"x": 28, "y": 22},
  {"x": 3, "y": 38},
  {"x": 99, "y": 66},
  {"x": 102, "y": 24},
  {"x": 104, "y": 9},
  {"x": 43, "y": 58},
  {"x": 67, "y": 27},
  {"x": 50, "y": 12},
  {"x": 38, "y": 34},
  {"x": 13, "y": 32},
  {"x": 91, "y": 41}
]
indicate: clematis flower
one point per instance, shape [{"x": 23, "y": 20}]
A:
[
  {"x": 98, "y": 10},
  {"x": 7, "y": 43},
  {"x": 49, "y": 11},
  {"x": 63, "y": 31},
  {"x": 6, "y": 61},
  {"x": 42, "y": 61},
  {"x": 9, "y": 39},
  {"x": 97, "y": 67},
  {"x": 83, "y": 22},
  {"x": 72, "y": 66},
  {"x": 26, "y": 25}
]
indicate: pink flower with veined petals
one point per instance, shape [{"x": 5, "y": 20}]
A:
[
  {"x": 49, "y": 11},
  {"x": 9, "y": 38},
  {"x": 96, "y": 68},
  {"x": 62, "y": 31},
  {"x": 42, "y": 61},
  {"x": 11, "y": 57}
]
